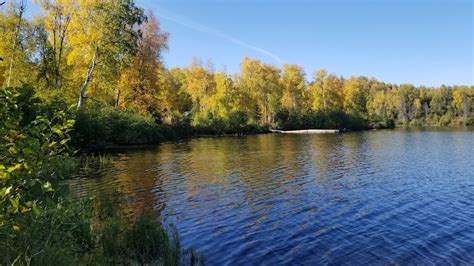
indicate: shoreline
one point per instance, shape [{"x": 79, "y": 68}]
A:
[
  {"x": 117, "y": 148},
  {"x": 306, "y": 131}
]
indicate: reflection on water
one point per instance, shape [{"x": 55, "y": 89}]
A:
[{"x": 371, "y": 197}]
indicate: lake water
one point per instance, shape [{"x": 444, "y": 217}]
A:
[{"x": 374, "y": 197}]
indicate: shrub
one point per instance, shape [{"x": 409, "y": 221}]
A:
[
  {"x": 238, "y": 122},
  {"x": 40, "y": 222},
  {"x": 181, "y": 124},
  {"x": 91, "y": 130},
  {"x": 446, "y": 119},
  {"x": 290, "y": 120},
  {"x": 98, "y": 128},
  {"x": 30, "y": 157}
]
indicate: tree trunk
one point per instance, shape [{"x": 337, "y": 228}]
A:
[
  {"x": 59, "y": 56},
  {"x": 90, "y": 70},
  {"x": 465, "y": 106},
  {"x": 117, "y": 99},
  {"x": 10, "y": 71},
  {"x": 267, "y": 114},
  {"x": 426, "y": 109},
  {"x": 21, "y": 10}
]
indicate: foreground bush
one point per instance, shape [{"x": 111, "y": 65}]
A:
[
  {"x": 32, "y": 158},
  {"x": 40, "y": 221}
]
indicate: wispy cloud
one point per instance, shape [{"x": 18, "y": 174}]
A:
[{"x": 186, "y": 22}]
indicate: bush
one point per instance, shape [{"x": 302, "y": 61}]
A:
[
  {"x": 291, "y": 120},
  {"x": 31, "y": 157},
  {"x": 40, "y": 222},
  {"x": 91, "y": 130},
  {"x": 207, "y": 123},
  {"x": 181, "y": 123},
  {"x": 446, "y": 119},
  {"x": 98, "y": 128},
  {"x": 416, "y": 123},
  {"x": 239, "y": 123},
  {"x": 470, "y": 121}
]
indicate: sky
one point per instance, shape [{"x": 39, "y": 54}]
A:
[{"x": 420, "y": 41}]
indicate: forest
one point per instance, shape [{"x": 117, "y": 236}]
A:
[
  {"x": 106, "y": 59},
  {"x": 84, "y": 75}
]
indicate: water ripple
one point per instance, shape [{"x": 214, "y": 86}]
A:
[{"x": 385, "y": 197}]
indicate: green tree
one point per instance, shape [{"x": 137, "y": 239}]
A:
[
  {"x": 327, "y": 92},
  {"x": 54, "y": 46},
  {"x": 260, "y": 84},
  {"x": 224, "y": 98},
  {"x": 381, "y": 106},
  {"x": 102, "y": 34},
  {"x": 356, "y": 93},
  {"x": 440, "y": 100},
  {"x": 293, "y": 84},
  {"x": 17, "y": 46},
  {"x": 462, "y": 101},
  {"x": 406, "y": 95}
]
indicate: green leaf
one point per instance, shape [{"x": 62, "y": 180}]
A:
[
  {"x": 57, "y": 130},
  {"x": 12, "y": 150},
  {"x": 47, "y": 187},
  {"x": 14, "y": 168},
  {"x": 27, "y": 151},
  {"x": 36, "y": 210},
  {"x": 15, "y": 204},
  {"x": 5, "y": 191}
]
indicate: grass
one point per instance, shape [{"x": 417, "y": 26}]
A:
[
  {"x": 92, "y": 232},
  {"x": 94, "y": 161}
]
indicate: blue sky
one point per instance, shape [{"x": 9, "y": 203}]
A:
[{"x": 421, "y": 42}]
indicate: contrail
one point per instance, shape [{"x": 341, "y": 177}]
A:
[{"x": 202, "y": 28}]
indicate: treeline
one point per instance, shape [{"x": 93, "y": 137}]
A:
[{"x": 107, "y": 54}]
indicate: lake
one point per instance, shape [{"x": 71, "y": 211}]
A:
[{"x": 374, "y": 197}]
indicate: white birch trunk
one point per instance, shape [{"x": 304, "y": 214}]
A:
[{"x": 90, "y": 70}]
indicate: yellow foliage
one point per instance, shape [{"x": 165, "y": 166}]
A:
[
  {"x": 294, "y": 85},
  {"x": 200, "y": 84},
  {"x": 327, "y": 92}
]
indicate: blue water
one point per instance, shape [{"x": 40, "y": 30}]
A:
[{"x": 376, "y": 197}]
